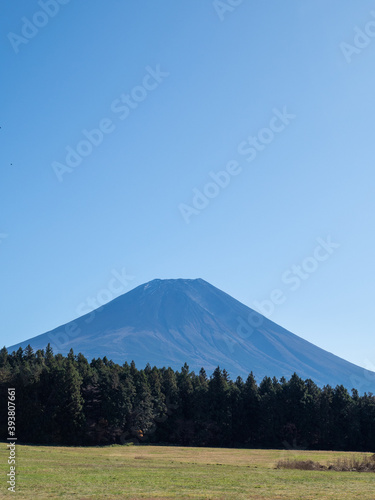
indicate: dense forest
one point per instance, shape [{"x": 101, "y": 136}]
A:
[{"x": 67, "y": 400}]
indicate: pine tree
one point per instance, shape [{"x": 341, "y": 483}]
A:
[
  {"x": 3, "y": 357},
  {"x": 220, "y": 408},
  {"x": 251, "y": 412}
]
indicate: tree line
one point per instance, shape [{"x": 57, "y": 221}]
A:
[{"x": 65, "y": 400}]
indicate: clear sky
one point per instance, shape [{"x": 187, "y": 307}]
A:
[{"x": 278, "y": 95}]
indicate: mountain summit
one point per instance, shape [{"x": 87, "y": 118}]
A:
[{"x": 170, "y": 322}]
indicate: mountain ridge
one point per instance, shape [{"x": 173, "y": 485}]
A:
[{"x": 169, "y": 322}]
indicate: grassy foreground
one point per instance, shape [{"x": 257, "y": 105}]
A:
[{"x": 159, "y": 472}]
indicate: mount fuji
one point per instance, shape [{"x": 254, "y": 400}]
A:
[{"x": 170, "y": 322}]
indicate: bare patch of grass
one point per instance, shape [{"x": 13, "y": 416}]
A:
[{"x": 346, "y": 464}]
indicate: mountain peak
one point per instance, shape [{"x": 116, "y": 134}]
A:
[
  {"x": 174, "y": 281},
  {"x": 172, "y": 285}
]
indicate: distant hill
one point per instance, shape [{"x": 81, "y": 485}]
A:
[{"x": 168, "y": 322}]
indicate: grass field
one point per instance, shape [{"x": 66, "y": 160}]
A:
[{"x": 159, "y": 472}]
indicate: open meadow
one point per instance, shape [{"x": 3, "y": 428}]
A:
[{"x": 161, "y": 472}]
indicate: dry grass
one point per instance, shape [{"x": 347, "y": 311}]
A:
[{"x": 353, "y": 463}]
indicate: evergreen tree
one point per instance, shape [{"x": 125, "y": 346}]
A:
[
  {"x": 66, "y": 400},
  {"x": 220, "y": 408},
  {"x": 268, "y": 410},
  {"x": 251, "y": 412}
]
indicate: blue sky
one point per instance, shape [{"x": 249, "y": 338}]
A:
[{"x": 179, "y": 90}]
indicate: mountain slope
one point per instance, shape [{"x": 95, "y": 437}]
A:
[{"x": 168, "y": 322}]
